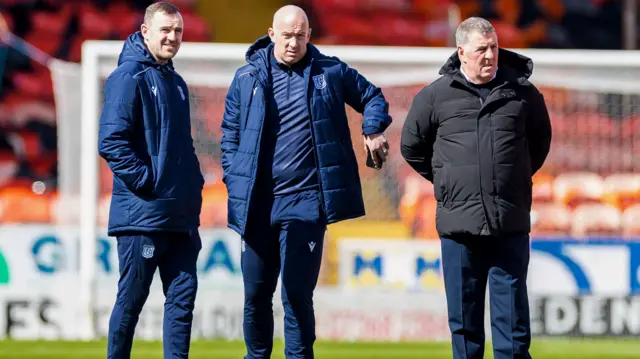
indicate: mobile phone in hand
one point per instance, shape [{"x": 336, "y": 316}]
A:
[{"x": 370, "y": 163}]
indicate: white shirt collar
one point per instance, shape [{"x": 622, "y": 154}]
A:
[{"x": 469, "y": 79}]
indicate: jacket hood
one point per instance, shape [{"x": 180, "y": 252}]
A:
[
  {"x": 135, "y": 50},
  {"x": 513, "y": 66}
]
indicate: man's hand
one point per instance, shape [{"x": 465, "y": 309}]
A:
[{"x": 378, "y": 146}]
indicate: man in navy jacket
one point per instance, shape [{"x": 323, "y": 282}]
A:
[
  {"x": 145, "y": 137},
  {"x": 290, "y": 169}
]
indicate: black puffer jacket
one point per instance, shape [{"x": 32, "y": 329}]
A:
[{"x": 480, "y": 155}]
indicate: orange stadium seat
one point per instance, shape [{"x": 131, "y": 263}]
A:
[
  {"x": 21, "y": 205},
  {"x": 622, "y": 189},
  {"x": 411, "y": 197},
  {"x": 542, "y": 187},
  {"x": 631, "y": 221},
  {"x": 214, "y": 206},
  {"x": 550, "y": 219},
  {"x": 425, "y": 223},
  {"x": 574, "y": 188},
  {"x": 593, "y": 219}
]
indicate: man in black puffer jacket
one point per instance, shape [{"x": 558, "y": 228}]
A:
[{"x": 479, "y": 133}]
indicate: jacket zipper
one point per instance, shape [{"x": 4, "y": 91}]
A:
[
  {"x": 313, "y": 139},
  {"x": 484, "y": 205},
  {"x": 256, "y": 161}
]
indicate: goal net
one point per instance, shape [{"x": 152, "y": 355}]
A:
[{"x": 592, "y": 97}]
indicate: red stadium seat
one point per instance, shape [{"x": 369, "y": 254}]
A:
[
  {"x": 48, "y": 23},
  {"x": 196, "y": 28},
  {"x": 93, "y": 23},
  {"x": 36, "y": 84}
]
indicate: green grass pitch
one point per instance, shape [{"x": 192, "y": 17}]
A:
[{"x": 542, "y": 349}]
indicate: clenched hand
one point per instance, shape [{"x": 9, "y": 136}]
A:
[{"x": 378, "y": 146}]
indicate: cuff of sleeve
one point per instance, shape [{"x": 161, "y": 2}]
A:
[{"x": 370, "y": 130}]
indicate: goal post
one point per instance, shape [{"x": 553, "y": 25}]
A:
[{"x": 206, "y": 66}]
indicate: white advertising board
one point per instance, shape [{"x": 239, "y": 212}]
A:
[{"x": 39, "y": 286}]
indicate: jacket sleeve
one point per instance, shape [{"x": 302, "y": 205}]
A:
[
  {"x": 367, "y": 99},
  {"x": 538, "y": 131},
  {"x": 230, "y": 127},
  {"x": 120, "y": 113},
  {"x": 418, "y": 135}
]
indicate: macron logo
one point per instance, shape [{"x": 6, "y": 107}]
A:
[
  {"x": 312, "y": 245},
  {"x": 154, "y": 90}
]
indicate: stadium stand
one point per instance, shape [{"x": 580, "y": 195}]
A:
[{"x": 590, "y": 184}]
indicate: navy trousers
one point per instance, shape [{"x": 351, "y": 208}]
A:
[
  {"x": 468, "y": 264},
  {"x": 285, "y": 238},
  {"x": 139, "y": 254}
]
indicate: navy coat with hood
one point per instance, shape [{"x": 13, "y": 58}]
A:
[
  {"x": 330, "y": 84},
  {"x": 145, "y": 137}
]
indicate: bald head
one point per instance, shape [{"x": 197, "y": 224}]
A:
[
  {"x": 290, "y": 34},
  {"x": 289, "y": 15}
]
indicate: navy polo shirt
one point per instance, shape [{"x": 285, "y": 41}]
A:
[{"x": 287, "y": 140}]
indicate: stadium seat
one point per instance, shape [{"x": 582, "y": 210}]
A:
[
  {"x": 22, "y": 205},
  {"x": 424, "y": 226},
  {"x": 93, "y": 23},
  {"x": 35, "y": 84},
  {"x": 574, "y": 188},
  {"x": 8, "y": 167},
  {"x": 214, "y": 207},
  {"x": 48, "y": 23},
  {"x": 550, "y": 219},
  {"x": 596, "y": 220},
  {"x": 348, "y": 29},
  {"x": 400, "y": 29},
  {"x": 592, "y": 124},
  {"x": 196, "y": 28},
  {"x": 415, "y": 191},
  {"x": 125, "y": 21},
  {"x": 542, "y": 189},
  {"x": 510, "y": 35},
  {"x": 50, "y": 44},
  {"x": 631, "y": 221},
  {"x": 622, "y": 189},
  {"x": 75, "y": 49},
  {"x": 336, "y": 6},
  {"x": 34, "y": 110}
]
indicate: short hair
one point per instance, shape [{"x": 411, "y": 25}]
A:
[
  {"x": 159, "y": 7},
  {"x": 472, "y": 24}
]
